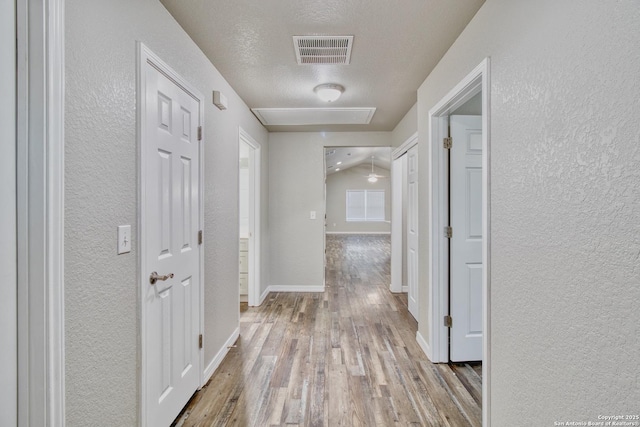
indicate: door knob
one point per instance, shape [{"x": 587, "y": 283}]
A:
[{"x": 154, "y": 277}]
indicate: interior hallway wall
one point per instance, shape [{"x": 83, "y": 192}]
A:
[
  {"x": 565, "y": 203},
  {"x": 406, "y": 127},
  {"x": 296, "y": 187},
  {"x": 101, "y": 288}
]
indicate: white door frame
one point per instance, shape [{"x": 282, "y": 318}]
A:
[
  {"x": 8, "y": 226},
  {"x": 40, "y": 211},
  {"x": 145, "y": 55},
  {"x": 476, "y": 81},
  {"x": 255, "y": 159},
  {"x": 397, "y": 238}
]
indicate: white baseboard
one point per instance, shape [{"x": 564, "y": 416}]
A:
[
  {"x": 358, "y": 232},
  {"x": 284, "y": 288},
  {"x": 405, "y": 289},
  {"x": 394, "y": 290},
  {"x": 424, "y": 346},
  {"x": 264, "y": 295},
  {"x": 217, "y": 360}
]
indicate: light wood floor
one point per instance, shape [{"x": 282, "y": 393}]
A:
[{"x": 346, "y": 357}]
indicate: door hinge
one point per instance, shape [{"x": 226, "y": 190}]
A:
[
  {"x": 199, "y": 133},
  {"x": 200, "y": 237},
  {"x": 200, "y": 341},
  {"x": 448, "y": 231},
  {"x": 448, "y": 143},
  {"x": 448, "y": 322}
]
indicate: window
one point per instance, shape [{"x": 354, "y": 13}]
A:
[{"x": 365, "y": 205}]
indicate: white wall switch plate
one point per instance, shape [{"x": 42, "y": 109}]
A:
[
  {"x": 124, "y": 239},
  {"x": 312, "y": 215}
]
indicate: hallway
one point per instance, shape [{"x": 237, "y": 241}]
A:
[{"x": 345, "y": 357}]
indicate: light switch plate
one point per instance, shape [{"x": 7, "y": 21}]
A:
[
  {"x": 312, "y": 215},
  {"x": 124, "y": 239}
]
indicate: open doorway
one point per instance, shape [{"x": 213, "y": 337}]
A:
[
  {"x": 459, "y": 232},
  {"x": 357, "y": 190},
  {"x": 249, "y": 218}
]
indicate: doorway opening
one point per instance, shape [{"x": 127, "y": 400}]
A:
[
  {"x": 471, "y": 169},
  {"x": 249, "y": 221},
  {"x": 357, "y": 191}
]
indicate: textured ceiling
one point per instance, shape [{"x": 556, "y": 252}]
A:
[{"x": 396, "y": 44}]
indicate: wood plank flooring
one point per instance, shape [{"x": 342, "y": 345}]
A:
[{"x": 345, "y": 357}]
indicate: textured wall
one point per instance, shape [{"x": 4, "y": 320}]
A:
[
  {"x": 355, "y": 178},
  {"x": 102, "y": 344},
  {"x": 565, "y": 204},
  {"x": 296, "y": 176}
]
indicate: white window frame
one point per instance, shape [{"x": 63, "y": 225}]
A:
[{"x": 366, "y": 219}]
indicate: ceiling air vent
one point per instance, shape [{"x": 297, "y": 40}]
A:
[{"x": 323, "y": 49}]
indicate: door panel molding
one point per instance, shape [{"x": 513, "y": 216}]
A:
[
  {"x": 147, "y": 57},
  {"x": 478, "y": 80}
]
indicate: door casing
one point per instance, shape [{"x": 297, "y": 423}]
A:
[
  {"x": 8, "y": 224},
  {"x": 255, "y": 158},
  {"x": 40, "y": 211},
  {"x": 437, "y": 349},
  {"x": 145, "y": 55}
]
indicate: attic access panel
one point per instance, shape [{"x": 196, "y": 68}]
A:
[{"x": 314, "y": 116}]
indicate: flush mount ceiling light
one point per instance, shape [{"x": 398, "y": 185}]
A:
[{"x": 329, "y": 92}]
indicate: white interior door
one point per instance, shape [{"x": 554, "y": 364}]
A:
[
  {"x": 412, "y": 230},
  {"x": 170, "y": 221},
  {"x": 466, "y": 269},
  {"x": 397, "y": 239}
]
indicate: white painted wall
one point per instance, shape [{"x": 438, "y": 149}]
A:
[
  {"x": 8, "y": 255},
  {"x": 296, "y": 187},
  {"x": 565, "y": 204},
  {"x": 355, "y": 178},
  {"x": 406, "y": 127},
  {"x": 101, "y": 287}
]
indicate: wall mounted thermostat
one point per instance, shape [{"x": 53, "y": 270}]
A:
[{"x": 219, "y": 100}]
